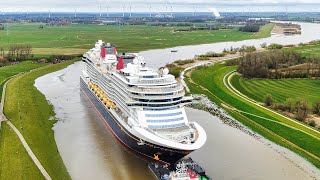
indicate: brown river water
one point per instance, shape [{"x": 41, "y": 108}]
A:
[{"x": 91, "y": 152}]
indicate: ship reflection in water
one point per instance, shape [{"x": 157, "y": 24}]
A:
[{"x": 90, "y": 152}]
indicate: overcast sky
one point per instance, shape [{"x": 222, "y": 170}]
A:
[{"x": 158, "y": 5}]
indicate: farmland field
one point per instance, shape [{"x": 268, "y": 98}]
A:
[
  {"x": 307, "y": 89},
  {"x": 76, "y": 38}
]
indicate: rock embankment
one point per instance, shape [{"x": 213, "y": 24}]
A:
[{"x": 202, "y": 102}]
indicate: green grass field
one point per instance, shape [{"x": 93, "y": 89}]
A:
[
  {"x": 76, "y": 39},
  {"x": 30, "y": 112},
  {"x": 308, "y": 50},
  {"x": 14, "y": 159},
  {"x": 281, "y": 90},
  {"x": 294, "y": 136},
  {"x": 9, "y": 71}
]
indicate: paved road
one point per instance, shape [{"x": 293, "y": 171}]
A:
[{"x": 23, "y": 141}]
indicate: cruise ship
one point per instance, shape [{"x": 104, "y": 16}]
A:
[{"x": 142, "y": 107}]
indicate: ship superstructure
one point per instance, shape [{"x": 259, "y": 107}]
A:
[{"x": 143, "y": 107}]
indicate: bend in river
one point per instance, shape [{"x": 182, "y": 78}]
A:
[{"x": 90, "y": 152}]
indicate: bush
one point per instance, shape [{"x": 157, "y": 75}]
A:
[
  {"x": 316, "y": 108},
  {"x": 264, "y": 45},
  {"x": 233, "y": 62},
  {"x": 183, "y": 62},
  {"x": 313, "y": 123},
  {"x": 275, "y": 46},
  {"x": 302, "y": 109},
  {"x": 290, "y": 105},
  {"x": 174, "y": 70},
  {"x": 268, "y": 100},
  {"x": 250, "y": 28}
]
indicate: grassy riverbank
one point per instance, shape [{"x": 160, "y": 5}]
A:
[
  {"x": 294, "y": 136},
  {"x": 77, "y": 38},
  {"x": 9, "y": 71},
  {"x": 30, "y": 112}
]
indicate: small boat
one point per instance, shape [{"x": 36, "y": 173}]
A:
[
  {"x": 174, "y": 50},
  {"x": 184, "y": 169}
]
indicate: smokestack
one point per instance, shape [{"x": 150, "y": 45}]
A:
[
  {"x": 103, "y": 52},
  {"x": 120, "y": 64}
]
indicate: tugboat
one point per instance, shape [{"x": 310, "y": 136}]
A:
[{"x": 184, "y": 169}]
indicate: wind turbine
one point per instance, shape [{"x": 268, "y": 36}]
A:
[
  {"x": 100, "y": 13},
  {"x": 150, "y": 15},
  {"x": 194, "y": 11},
  {"x": 123, "y": 9},
  {"x": 107, "y": 11}
]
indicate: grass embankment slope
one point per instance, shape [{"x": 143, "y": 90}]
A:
[
  {"x": 265, "y": 31},
  {"x": 210, "y": 81},
  {"x": 9, "y": 71},
  {"x": 76, "y": 39},
  {"x": 30, "y": 112},
  {"x": 281, "y": 90}
]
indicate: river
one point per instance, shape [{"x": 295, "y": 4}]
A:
[
  {"x": 161, "y": 57},
  {"x": 91, "y": 152}
]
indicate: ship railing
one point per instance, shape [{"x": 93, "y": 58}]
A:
[
  {"x": 180, "y": 135},
  {"x": 175, "y": 95},
  {"x": 155, "y": 81},
  {"x": 169, "y": 89}
]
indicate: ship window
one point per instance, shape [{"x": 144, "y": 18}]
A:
[
  {"x": 166, "y": 126},
  {"x": 159, "y": 109},
  {"x": 168, "y": 94},
  {"x": 163, "y": 115},
  {"x": 110, "y": 50},
  {"x": 148, "y": 76},
  {"x": 165, "y": 120}
]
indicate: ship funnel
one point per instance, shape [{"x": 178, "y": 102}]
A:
[
  {"x": 103, "y": 52},
  {"x": 120, "y": 64}
]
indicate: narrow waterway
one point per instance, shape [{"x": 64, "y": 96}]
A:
[{"x": 91, "y": 152}]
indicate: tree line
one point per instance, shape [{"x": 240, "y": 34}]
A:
[
  {"x": 276, "y": 64},
  {"x": 15, "y": 53},
  {"x": 250, "y": 28}
]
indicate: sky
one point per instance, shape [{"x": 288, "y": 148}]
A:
[{"x": 159, "y": 5}]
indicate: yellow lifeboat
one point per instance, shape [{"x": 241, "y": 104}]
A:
[
  {"x": 113, "y": 105},
  {"x": 105, "y": 100},
  {"x": 109, "y": 103}
]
